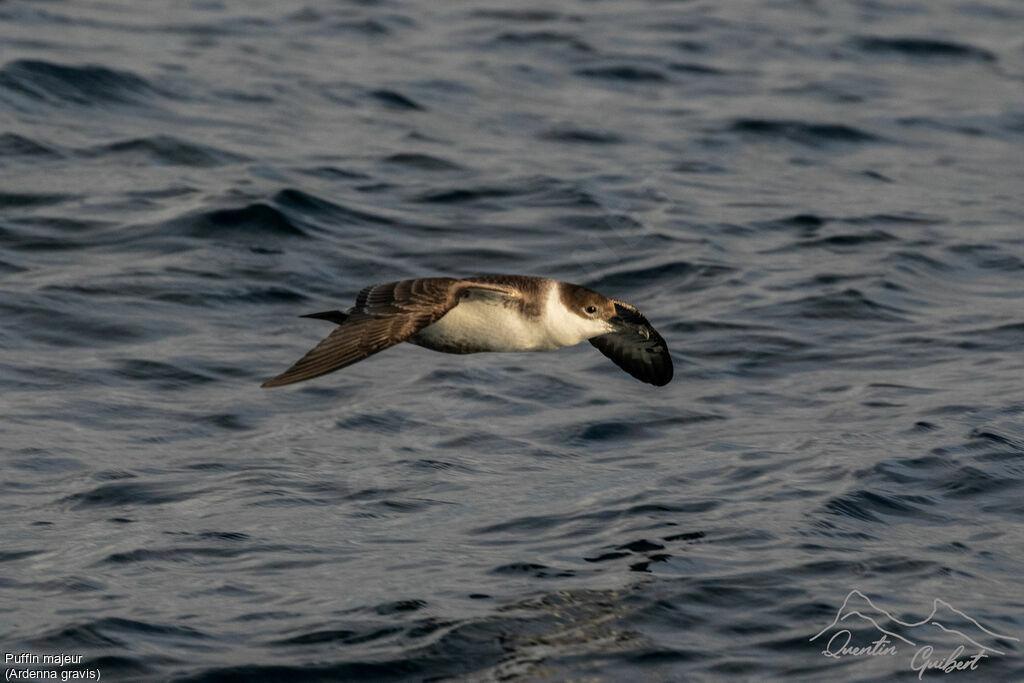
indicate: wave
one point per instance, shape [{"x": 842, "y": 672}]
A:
[
  {"x": 88, "y": 85},
  {"x": 532, "y": 38},
  {"x": 849, "y": 304},
  {"x": 575, "y": 134},
  {"x": 396, "y": 100},
  {"x": 874, "y": 506},
  {"x": 121, "y": 493},
  {"x": 924, "y": 48},
  {"x": 13, "y": 145},
  {"x": 803, "y": 132},
  {"x": 424, "y": 162},
  {"x": 624, "y": 72},
  {"x": 166, "y": 150}
]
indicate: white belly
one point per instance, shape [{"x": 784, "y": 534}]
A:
[{"x": 485, "y": 324}]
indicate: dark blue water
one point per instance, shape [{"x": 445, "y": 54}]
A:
[{"x": 817, "y": 204}]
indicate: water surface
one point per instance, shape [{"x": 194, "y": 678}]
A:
[{"x": 817, "y": 204}]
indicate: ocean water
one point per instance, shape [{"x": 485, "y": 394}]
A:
[{"x": 818, "y": 204}]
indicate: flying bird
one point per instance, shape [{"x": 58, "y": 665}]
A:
[{"x": 504, "y": 313}]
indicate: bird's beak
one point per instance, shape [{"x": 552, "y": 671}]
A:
[
  {"x": 619, "y": 324},
  {"x": 625, "y": 321}
]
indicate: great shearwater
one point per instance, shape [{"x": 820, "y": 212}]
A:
[{"x": 486, "y": 313}]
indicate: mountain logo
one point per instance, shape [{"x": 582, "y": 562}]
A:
[{"x": 945, "y": 629}]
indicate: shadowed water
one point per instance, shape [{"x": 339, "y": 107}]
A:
[{"x": 818, "y": 205}]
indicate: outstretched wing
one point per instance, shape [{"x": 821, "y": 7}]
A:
[
  {"x": 384, "y": 315},
  {"x": 640, "y": 350}
]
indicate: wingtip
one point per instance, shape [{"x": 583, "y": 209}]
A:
[
  {"x": 278, "y": 381},
  {"x": 281, "y": 380},
  {"x": 669, "y": 372}
]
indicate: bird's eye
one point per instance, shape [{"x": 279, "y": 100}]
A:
[{"x": 591, "y": 309}]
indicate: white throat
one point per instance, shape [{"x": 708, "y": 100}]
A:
[{"x": 565, "y": 327}]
